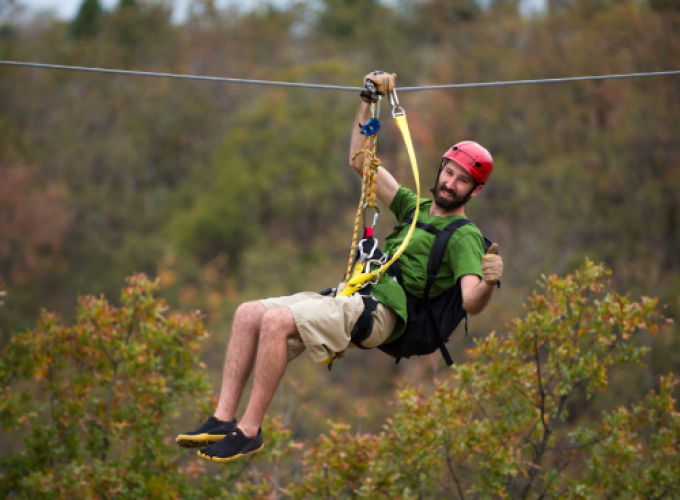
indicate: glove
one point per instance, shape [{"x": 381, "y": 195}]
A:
[
  {"x": 383, "y": 82},
  {"x": 492, "y": 265}
]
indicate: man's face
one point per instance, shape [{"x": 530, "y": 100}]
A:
[{"x": 455, "y": 187}]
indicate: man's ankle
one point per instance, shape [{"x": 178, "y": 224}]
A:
[
  {"x": 224, "y": 417},
  {"x": 249, "y": 430}
]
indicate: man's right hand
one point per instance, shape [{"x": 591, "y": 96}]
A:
[
  {"x": 492, "y": 265},
  {"x": 383, "y": 83}
]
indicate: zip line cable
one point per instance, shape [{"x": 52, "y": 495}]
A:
[
  {"x": 331, "y": 87},
  {"x": 180, "y": 77},
  {"x": 544, "y": 80}
]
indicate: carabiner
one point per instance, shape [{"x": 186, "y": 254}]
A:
[
  {"x": 375, "y": 217},
  {"x": 397, "y": 110}
]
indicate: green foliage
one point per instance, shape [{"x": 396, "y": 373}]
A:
[
  {"x": 498, "y": 426},
  {"x": 86, "y": 22},
  {"x": 343, "y": 19},
  {"x": 252, "y": 189},
  {"x": 665, "y": 5},
  {"x": 105, "y": 396},
  {"x": 102, "y": 176},
  {"x": 107, "y": 391}
]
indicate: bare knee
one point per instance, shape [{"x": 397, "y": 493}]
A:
[
  {"x": 278, "y": 322},
  {"x": 249, "y": 314}
]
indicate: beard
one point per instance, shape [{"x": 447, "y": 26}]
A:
[{"x": 455, "y": 201}]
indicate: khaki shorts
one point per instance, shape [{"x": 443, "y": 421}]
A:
[{"x": 325, "y": 323}]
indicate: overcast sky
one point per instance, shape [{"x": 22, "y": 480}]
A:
[{"x": 66, "y": 9}]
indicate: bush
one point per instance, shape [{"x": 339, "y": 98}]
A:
[
  {"x": 104, "y": 401},
  {"x": 498, "y": 427}
]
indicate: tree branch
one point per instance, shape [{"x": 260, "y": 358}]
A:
[
  {"x": 541, "y": 392},
  {"x": 559, "y": 471},
  {"x": 461, "y": 495}
]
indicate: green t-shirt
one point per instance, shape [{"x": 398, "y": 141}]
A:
[{"x": 463, "y": 256}]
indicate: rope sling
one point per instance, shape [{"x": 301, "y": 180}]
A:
[
  {"x": 369, "y": 189},
  {"x": 358, "y": 277}
]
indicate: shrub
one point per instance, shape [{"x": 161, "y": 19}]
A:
[
  {"x": 107, "y": 391},
  {"x": 104, "y": 399}
]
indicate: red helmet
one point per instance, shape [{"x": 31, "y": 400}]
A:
[{"x": 473, "y": 158}]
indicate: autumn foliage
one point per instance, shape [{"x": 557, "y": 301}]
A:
[
  {"x": 232, "y": 192},
  {"x": 106, "y": 393},
  {"x": 104, "y": 397}
]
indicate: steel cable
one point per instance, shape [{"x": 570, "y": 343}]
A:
[
  {"x": 544, "y": 80},
  {"x": 180, "y": 77},
  {"x": 332, "y": 87}
]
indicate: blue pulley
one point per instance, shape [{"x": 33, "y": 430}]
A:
[{"x": 371, "y": 127}]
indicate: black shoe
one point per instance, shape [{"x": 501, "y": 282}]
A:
[
  {"x": 235, "y": 445},
  {"x": 211, "y": 431}
]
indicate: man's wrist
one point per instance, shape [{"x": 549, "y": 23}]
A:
[{"x": 487, "y": 284}]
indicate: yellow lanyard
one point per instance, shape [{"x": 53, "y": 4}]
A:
[{"x": 358, "y": 280}]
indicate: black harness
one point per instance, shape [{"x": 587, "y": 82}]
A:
[{"x": 430, "y": 320}]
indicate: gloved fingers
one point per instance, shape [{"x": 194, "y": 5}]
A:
[
  {"x": 383, "y": 82},
  {"x": 492, "y": 264},
  {"x": 368, "y": 97},
  {"x": 491, "y": 259},
  {"x": 493, "y": 249},
  {"x": 492, "y": 268}
]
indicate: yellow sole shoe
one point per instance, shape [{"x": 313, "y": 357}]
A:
[
  {"x": 229, "y": 459},
  {"x": 234, "y": 446},
  {"x": 209, "y": 432},
  {"x": 197, "y": 441}
]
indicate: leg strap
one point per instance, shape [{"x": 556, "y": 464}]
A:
[{"x": 364, "y": 325}]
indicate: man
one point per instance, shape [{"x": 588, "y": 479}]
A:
[{"x": 269, "y": 333}]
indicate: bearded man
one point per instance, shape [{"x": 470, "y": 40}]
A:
[{"x": 268, "y": 334}]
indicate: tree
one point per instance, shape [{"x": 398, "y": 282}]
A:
[
  {"x": 86, "y": 22},
  {"x": 665, "y": 5},
  {"x": 106, "y": 393},
  {"x": 499, "y": 426}
]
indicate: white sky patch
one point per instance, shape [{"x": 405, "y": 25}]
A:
[{"x": 67, "y": 9}]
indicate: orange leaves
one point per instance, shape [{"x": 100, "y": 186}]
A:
[
  {"x": 33, "y": 222},
  {"x": 495, "y": 426},
  {"x": 113, "y": 384},
  {"x": 193, "y": 469}
]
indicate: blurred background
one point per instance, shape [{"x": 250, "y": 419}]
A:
[{"x": 231, "y": 192}]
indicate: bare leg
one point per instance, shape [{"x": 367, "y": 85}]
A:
[
  {"x": 240, "y": 356},
  {"x": 277, "y": 327}
]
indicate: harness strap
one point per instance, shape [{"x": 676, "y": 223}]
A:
[
  {"x": 442, "y": 237},
  {"x": 364, "y": 325},
  {"x": 438, "y": 336}
]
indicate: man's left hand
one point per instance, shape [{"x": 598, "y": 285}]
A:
[
  {"x": 492, "y": 266},
  {"x": 383, "y": 82}
]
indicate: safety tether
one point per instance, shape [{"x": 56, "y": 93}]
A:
[
  {"x": 369, "y": 186},
  {"x": 359, "y": 279}
]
